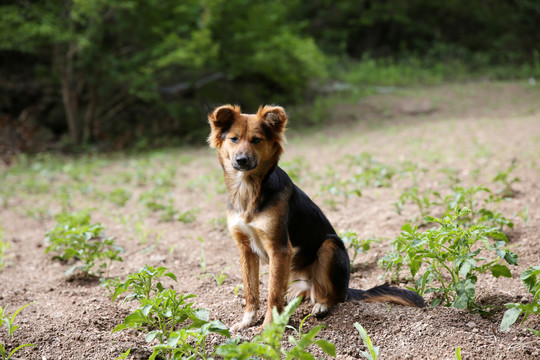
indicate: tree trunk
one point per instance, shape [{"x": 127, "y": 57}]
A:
[{"x": 64, "y": 64}]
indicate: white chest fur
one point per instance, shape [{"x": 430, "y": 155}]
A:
[{"x": 253, "y": 229}]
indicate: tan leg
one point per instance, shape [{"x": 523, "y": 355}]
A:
[
  {"x": 323, "y": 293},
  {"x": 249, "y": 263},
  {"x": 280, "y": 266}
]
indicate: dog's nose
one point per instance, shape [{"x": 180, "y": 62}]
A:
[{"x": 242, "y": 160}]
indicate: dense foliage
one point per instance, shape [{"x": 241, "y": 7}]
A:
[{"x": 117, "y": 71}]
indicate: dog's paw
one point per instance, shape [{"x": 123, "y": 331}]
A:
[
  {"x": 319, "y": 310},
  {"x": 296, "y": 289},
  {"x": 248, "y": 320}
]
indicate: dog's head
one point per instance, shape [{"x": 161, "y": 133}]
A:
[{"x": 245, "y": 141}]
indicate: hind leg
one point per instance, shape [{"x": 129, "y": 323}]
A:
[
  {"x": 329, "y": 276},
  {"x": 299, "y": 285}
]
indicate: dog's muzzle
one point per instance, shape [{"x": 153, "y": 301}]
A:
[{"x": 244, "y": 162}]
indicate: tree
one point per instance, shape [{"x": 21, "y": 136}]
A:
[{"x": 105, "y": 54}]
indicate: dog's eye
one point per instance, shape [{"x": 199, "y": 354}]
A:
[
  {"x": 256, "y": 140},
  {"x": 234, "y": 139}
]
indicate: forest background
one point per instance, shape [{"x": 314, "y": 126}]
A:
[{"x": 82, "y": 75}]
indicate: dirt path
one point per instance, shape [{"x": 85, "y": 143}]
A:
[{"x": 472, "y": 131}]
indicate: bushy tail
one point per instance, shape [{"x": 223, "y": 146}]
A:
[{"x": 387, "y": 293}]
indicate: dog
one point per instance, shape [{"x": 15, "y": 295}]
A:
[{"x": 273, "y": 221}]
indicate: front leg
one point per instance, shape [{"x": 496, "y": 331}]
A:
[
  {"x": 280, "y": 266},
  {"x": 249, "y": 263}
]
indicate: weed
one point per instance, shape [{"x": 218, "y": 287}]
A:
[
  {"x": 503, "y": 177},
  {"x": 335, "y": 187},
  {"x": 167, "y": 317},
  {"x": 373, "y": 351},
  {"x": 9, "y": 321},
  {"x": 142, "y": 283},
  {"x": 4, "y": 247},
  {"x": 153, "y": 199},
  {"x": 268, "y": 344},
  {"x": 75, "y": 238},
  {"x": 367, "y": 171},
  {"x": 424, "y": 200},
  {"x": 119, "y": 196},
  {"x": 358, "y": 246},
  {"x": 524, "y": 214},
  {"x": 218, "y": 278},
  {"x": 187, "y": 216},
  {"x": 451, "y": 255},
  {"x": 203, "y": 259},
  {"x": 531, "y": 280},
  {"x": 124, "y": 355}
]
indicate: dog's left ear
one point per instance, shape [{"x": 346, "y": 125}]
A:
[{"x": 274, "y": 119}]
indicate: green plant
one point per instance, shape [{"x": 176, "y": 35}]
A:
[
  {"x": 218, "y": 278},
  {"x": 75, "y": 238},
  {"x": 367, "y": 171},
  {"x": 124, "y": 355},
  {"x": 187, "y": 216},
  {"x": 506, "y": 180},
  {"x": 524, "y": 214},
  {"x": 457, "y": 355},
  {"x": 203, "y": 259},
  {"x": 268, "y": 344},
  {"x": 142, "y": 284},
  {"x": 452, "y": 256},
  {"x": 531, "y": 280},
  {"x": 373, "y": 351},
  {"x": 5, "y": 318},
  {"x": 166, "y": 317},
  {"x": 358, "y": 246},
  {"x": 119, "y": 196},
  {"x": 424, "y": 200},
  {"x": 335, "y": 186},
  {"x": 4, "y": 247}
]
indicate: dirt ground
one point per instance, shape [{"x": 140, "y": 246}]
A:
[{"x": 476, "y": 130}]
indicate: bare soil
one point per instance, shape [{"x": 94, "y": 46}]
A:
[{"x": 474, "y": 129}]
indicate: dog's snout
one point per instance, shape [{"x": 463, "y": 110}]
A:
[{"x": 242, "y": 160}]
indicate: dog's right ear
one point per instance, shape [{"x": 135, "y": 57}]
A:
[{"x": 221, "y": 120}]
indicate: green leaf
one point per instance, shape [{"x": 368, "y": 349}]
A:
[
  {"x": 119, "y": 327},
  {"x": 152, "y": 335},
  {"x": 202, "y": 314},
  {"x": 327, "y": 347},
  {"x": 171, "y": 275},
  {"x": 529, "y": 278},
  {"x": 146, "y": 310},
  {"x": 510, "y": 316},
  {"x": 173, "y": 340},
  {"x": 500, "y": 270},
  {"x": 511, "y": 258}
]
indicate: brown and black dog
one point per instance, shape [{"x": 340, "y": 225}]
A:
[{"x": 273, "y": 221}]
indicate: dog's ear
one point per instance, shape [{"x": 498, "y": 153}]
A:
[
  {"x": 274, "y": 119},
  {"x": 221, "y": 120}
]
